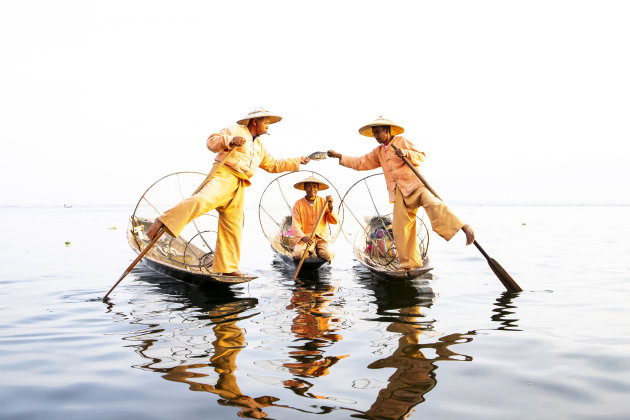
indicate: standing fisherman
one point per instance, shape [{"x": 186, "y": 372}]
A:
[
  {"x": 304, "y": 216},
  {"x": 226, "y": 189},
  {"x": 406, "y": 191}
]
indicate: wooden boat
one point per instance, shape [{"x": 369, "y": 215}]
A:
[
  {"x": 177, "y": 258},
  {"x": 188, "y": 257},
  {"x": 372, "y": 239},
  {"x": 274, "y": 212},
  {"x": 282, "y": 244}
]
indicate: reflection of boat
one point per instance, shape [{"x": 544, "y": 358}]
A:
[
  {"x": 373, "y": 241},
  {"x": 274, "y": 212},
  {"x": 188, "y": 257}
]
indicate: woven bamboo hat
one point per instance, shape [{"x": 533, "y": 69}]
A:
[
  {"x": 259, "y": 113},
  {"x": 395, "y": 129},
  {"x": 300, "y": 185}
]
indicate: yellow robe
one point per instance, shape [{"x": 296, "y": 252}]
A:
[{"x": 225, "y": 193}]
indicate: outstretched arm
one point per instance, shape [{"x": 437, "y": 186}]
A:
[{"x": 363, "y": 163}]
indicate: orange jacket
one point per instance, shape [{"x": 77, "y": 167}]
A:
[
  {"x": 395, "y": 169},
  {"x": 249, "y": 156},
  {"x": 305, "y": 216}
]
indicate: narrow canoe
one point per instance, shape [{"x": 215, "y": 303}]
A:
[
  {"x": 176, "y": 258},
  {"x": 390, "y": 271}
]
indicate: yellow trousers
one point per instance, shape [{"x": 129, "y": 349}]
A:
[
  {"x": 321, "y": 249},
  {"x": 225, "y": 193},
  {"x": 443, "y": 222}
]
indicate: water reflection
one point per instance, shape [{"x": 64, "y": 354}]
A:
[
  {"x": 315, "y": 326},
  {"x": 202, "y": 348},
  {"x": 505, "y": 308},
  {"x": 403, "y": 305},
  {"x": 193, "y": 336}
]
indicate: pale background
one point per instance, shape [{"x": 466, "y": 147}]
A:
[{"x": 513, "y": 102}]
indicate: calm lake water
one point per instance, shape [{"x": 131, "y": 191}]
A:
[{"x": 341, "y": 345}]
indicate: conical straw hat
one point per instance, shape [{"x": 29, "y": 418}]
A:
[
  {"x": 259, "y": 113},
  {"x": 300, "y": 185},
  {"x": 395, "y": 129}
]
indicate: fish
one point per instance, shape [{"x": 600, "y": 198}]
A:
[{"x": 318, "y": 155}]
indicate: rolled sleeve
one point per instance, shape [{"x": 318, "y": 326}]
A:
[
  {"x": 363, "y": 163},
  {"x": 219, "y": 141}
]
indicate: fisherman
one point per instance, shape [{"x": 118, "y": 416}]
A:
[
  {"x": 226, "y": 189},
  {"x": 406, "y": 191},
  {"x": 305, "y": 214}
]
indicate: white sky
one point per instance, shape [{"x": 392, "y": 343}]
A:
[{"x": 513, "y": 101}]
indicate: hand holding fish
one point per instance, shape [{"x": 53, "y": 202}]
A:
[
  {"x": 304, "y": 160},
  {"x": 332, "y": 153}
]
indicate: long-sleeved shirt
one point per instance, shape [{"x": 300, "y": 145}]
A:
[
  {"x": 251, "y": 155},
  {"x": 396, "y": 171},
  {"x": 305, "y": 216}
]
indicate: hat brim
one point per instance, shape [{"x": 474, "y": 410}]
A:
[
  {"x": 300, "y": 185},
  {"x": 272, "y": 119},
  {"x": 366, "y": 130}
]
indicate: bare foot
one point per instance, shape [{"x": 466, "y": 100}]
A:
[
  {"x": 234, "y": 273},
  {"x": 470, "y": 234},
  {"x": 154, "y": 229}
]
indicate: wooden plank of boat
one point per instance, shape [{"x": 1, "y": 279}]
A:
[
  {"x": 390, "y": 271},
  {"x": 177, "y": 264}
]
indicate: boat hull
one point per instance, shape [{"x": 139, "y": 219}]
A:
[
  {"x": 200, "y": 276},
  {"x": 309, "y": 264},
  {"x": 394, "y": 274}
]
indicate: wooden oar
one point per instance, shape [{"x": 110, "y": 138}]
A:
[
  {"x": 162, "y": 230},
  {"x": 499, "y": 271},
  {"x": 319, "y": 219}
]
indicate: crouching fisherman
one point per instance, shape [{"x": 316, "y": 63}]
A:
[
  {"x": 226, "y": 189},
  {"x": 305, "y": 214}
]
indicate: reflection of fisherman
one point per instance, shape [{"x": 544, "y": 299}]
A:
[
  {"x": 225, "y": 190},
  {"x": 406, "y": 191},
  {"x": 414, "y": 373},
  {"x": 228, "y": 344},
  {"x": 312, "y": 325},
  {"x": 305, "y": 213}
]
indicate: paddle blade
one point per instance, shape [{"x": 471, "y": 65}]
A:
[{"x": 505, "y": 278}]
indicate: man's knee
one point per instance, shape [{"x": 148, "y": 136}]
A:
[
  {"x": 325, "y": 253},
  {"x": 298, "y": 250}
]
